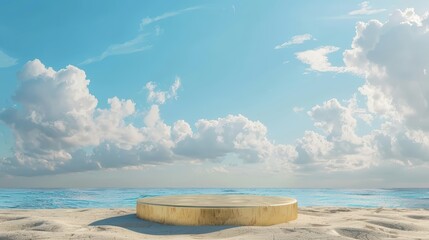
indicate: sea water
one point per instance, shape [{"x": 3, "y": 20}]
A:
[{"x": 126, "y": 197}]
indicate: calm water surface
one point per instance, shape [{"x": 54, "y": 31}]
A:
[{"x": 124, "y": 197}]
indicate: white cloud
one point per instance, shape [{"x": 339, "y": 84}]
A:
[
  {"x": 234, "y": 134},
  {"x": 137, "y": 44},
  {"x": 6, "y": 60},
  {"x": 392, "y": 57},
  {"x": 336, "y": 120},
  {"x": 401, "y": 145},
  {"x": 148, "y": 20},
  {"x": 156, "y": 132},
  {"x": 311, "y": 148},
  {"x": 110, "y": 122},
  {"x": 298, "y": 39},
  {"x": 339, "y": 147},
  {"x": 377, "y": 101},
  {"x": 58, "y": 117},
  {"x": 297, "y": 109},
  {"x": 317, "y": 59},
  {"x": 53, "y": 104},
  {"x": 160, "y": 97},
  {"x": 365, "y": 9},
  {"x": 181, "y": 130},
  {"x": 59, "y": 128}
]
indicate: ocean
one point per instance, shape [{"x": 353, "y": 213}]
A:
[{"x": 126, "y": 197}]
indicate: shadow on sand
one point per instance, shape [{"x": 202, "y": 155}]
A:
[{"x": 131, "y": 222}]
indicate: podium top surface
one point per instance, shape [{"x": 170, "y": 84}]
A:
[{"x": 217, "y": 201}]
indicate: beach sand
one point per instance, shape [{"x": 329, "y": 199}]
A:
[{"x": 312, "y": 223}]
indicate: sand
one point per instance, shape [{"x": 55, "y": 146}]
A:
[{"x": 313, "y": 223}]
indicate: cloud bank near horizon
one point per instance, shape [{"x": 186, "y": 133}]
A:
[{"x": 59, "y": 128}]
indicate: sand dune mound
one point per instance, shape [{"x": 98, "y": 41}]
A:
[
  {"x": 361, "y": 234},
  {"x": 419, "y": 217},
  {"x": 395, "y": 225},
  {"x": 26, "y": 224}
]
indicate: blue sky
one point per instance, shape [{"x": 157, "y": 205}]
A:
[{"x": 303, "y": 110}]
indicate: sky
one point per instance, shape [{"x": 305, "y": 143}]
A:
[{"x": 320, "y": 94}]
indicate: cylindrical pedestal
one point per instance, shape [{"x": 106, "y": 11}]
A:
[{"x": 194, "y": 210}]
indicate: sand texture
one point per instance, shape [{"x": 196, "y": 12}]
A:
[{"x": 312, "y": 223}]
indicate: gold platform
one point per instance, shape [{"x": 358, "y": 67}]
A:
[{"x": 194, "y": 210}]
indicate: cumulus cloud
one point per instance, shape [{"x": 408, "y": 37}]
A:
[
  {"x": 298, "y": 39},
  {"x": 336, "y": 120},
  {"x": 365, "y": 9},
  {"x": 55, "y": 112},
  {"x": 234, "y": 134},
  {"x": 338, "y": 147},
  {"x": 6, "y": 60},
  {"x": 391, "y": 58},
  {"x": 57, "y": 116},
  {"x": 317, "y": 59},
  {"x": 59, "y": 128},
  {"x": 404, "y": 146},
  {"x": 160, "y": 97}
]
